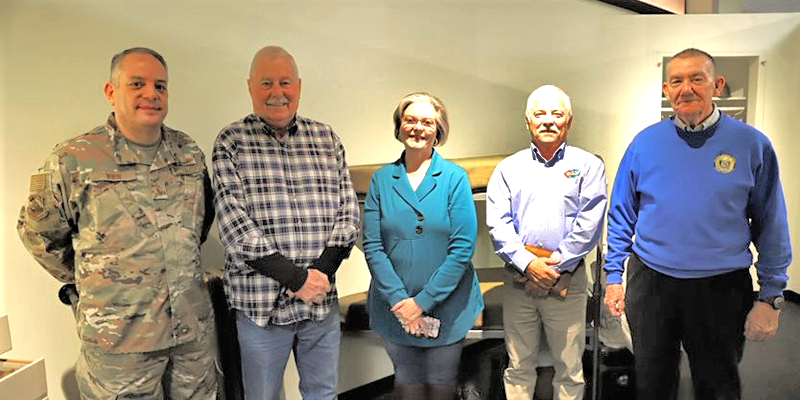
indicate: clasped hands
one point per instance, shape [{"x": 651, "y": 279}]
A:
[
  {"x": 540, "y": 276},
  {"x": 314, "y": 289},
  {"x": 409, "y": 313}
]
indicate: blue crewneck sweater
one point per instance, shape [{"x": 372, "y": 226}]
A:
[{"x": 692, "y": 212}]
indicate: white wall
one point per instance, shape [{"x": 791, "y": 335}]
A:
[
  {"x": 3, "y": 145},
  {"x": 357, "y": 58},
  {"x": 780, "y": 123}
]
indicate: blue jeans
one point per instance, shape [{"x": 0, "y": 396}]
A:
[
  {"x": 266, "y": 350},
  {"x": 436, "y": 366}
]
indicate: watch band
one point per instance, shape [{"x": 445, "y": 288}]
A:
[{"x": 776, "y": 302}]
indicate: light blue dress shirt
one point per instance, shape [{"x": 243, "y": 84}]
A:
[{"x": 558, "y": 204}]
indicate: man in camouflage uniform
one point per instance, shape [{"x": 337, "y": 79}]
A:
[{"x": 121, "y": 211}]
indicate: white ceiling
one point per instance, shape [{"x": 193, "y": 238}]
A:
[{"x": 767, "y": 6}]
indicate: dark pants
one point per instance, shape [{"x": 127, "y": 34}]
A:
[
  {"x": 436, "y": 366},
  {"x": 706, "y": 315}
]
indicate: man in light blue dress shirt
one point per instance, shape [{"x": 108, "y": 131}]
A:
[{"x": 545, "y": 207}]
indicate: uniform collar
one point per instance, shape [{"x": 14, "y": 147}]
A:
[{"x": 170, "y": 151}]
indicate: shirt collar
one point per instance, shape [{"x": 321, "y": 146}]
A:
[
  {"x": 559, "y": 154},
  {"x": 435, "y": 168},
  {"x": 711, "y": 120},
  {"x": 291, "y": 129}
]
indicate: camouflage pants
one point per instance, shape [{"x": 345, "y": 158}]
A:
[{"x": 185, "y": 372}]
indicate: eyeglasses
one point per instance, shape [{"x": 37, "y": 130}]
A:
[{"x": 410, "y": 122}]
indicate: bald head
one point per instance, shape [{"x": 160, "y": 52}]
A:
[
  {"x": 271, "y": 53},
  {"x": 274, "y": 87}
]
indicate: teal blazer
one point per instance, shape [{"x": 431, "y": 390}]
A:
[{"x": 419, "y": 244}]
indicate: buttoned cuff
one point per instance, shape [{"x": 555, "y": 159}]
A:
[{"x": 522, "y": 259}]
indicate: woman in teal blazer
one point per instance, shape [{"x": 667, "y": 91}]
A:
[{"x": 420, "y": 229}]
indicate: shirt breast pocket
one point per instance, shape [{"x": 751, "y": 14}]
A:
[
  {"x": 571, "y": 190},
  {"x": 193, "y": 196},
  {"x": 119, "y": 220}
]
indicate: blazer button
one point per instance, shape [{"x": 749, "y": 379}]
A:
[
  {"x": 420, "y": 217},
  {"x": 419, "y": 230}
]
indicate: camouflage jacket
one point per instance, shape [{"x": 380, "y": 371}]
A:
[{"x": 127, "y": 234}]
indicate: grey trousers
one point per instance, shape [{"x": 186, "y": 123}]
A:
[{"x": 564, "y": 324}]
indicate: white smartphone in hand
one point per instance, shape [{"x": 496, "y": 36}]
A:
[{"x": 433, "y": 326}]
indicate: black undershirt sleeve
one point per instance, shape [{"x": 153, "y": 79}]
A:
[
  {"x": 331, "y": 259},
  {"x": 281, "y": 269}
]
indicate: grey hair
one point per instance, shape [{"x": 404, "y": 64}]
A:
[
  {"x": 117, "y": 60},
  {"x": 694, "y": 52},
  {"x": 271, "y": 52},
  {"x": 541, "y": 90},
  {"x": 442, "y": 121}
]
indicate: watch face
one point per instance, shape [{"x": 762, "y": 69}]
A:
[{"x": 777, "y": 302}]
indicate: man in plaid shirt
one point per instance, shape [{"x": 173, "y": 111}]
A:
[{"x": 288, "y": 216}]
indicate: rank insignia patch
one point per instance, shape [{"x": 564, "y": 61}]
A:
[
  {"x": 572, "y": 173},
  {"x": 724, "y": 163},
  {"x": 36, "y": 209}
]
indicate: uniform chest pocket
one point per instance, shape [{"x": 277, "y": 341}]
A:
[
  {"x": 193, "y": 196},
  {"x": 119, "y": 220}
]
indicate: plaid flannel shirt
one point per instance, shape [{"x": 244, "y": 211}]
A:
[{"x": 291, "y": 196}]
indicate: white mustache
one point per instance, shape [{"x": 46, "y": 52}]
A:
[{"x": 282, "y": 101}]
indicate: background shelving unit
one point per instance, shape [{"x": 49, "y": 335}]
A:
[{"x": 738, "y": 97}]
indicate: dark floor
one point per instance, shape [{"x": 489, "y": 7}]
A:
[{"x": 770, "y": 370}]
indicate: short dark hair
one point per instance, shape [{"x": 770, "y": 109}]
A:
[
  {"x": 693, "y": 52},
  {"x": 442, "y": 122},
  {"x": 117, "y": 60}
]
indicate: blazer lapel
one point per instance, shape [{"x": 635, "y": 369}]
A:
[
  {"x": 430, "y": 181},
  {"x": 402, "y": 187}
]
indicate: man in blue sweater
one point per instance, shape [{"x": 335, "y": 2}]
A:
[{"x": 695, "y": 190}]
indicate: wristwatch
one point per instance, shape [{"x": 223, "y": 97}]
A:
[{"x": 776, "y": 302}]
